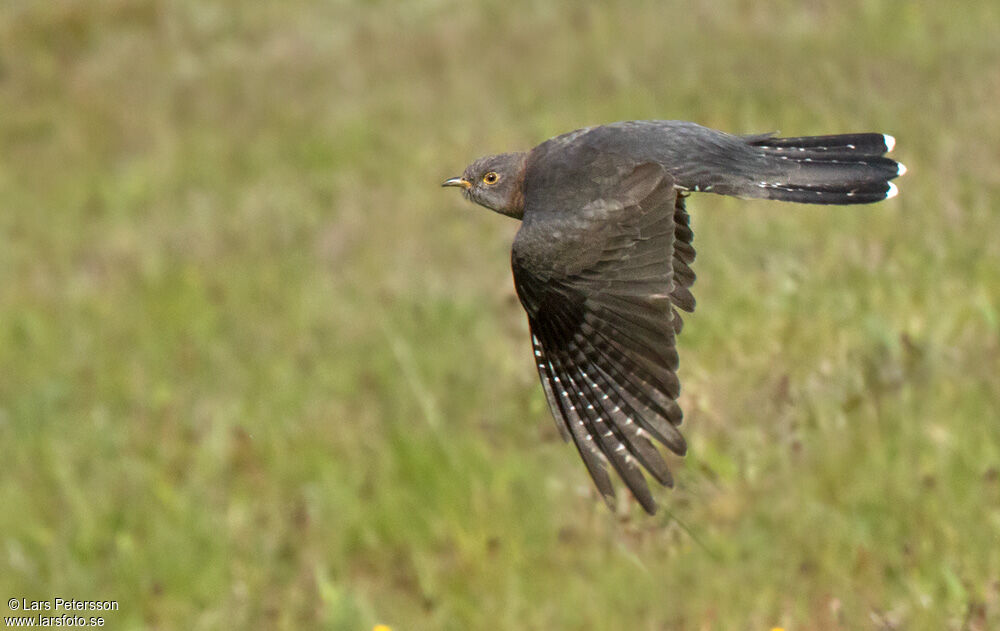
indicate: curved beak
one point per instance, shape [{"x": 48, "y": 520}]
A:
[{"x": 457, "y": 181}]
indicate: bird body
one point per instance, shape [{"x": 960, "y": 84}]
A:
[{"x": 601, "y": 262}]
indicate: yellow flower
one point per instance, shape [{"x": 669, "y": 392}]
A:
[{"x": 381, "y": 627}]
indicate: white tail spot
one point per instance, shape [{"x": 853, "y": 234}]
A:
[
  {"x": 890, "y": 142},
  {"x": 892, "y": 192}
]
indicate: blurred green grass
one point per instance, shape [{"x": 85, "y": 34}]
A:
[{"x": 258, "y": 371}]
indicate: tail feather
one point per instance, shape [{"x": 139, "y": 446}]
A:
[
  {"x": 844, "y": 144},
  {"x": 840, "y": 169}
]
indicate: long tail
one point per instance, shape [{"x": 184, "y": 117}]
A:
[{"x": 840, "y": 169}]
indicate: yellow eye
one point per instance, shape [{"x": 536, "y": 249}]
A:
[{"x": 491, "y": 178}]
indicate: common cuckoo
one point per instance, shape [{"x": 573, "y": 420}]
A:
[{"x": 602, "y": 262}]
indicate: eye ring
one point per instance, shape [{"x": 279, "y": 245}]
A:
[{"x": 491, "y": 178}]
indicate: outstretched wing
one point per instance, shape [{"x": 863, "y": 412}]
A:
[{"x": 600, "y": 264}]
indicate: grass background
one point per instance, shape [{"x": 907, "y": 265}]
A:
[{"x": 257, "y": 370}]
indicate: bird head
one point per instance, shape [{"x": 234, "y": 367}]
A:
[{"x": 495, "y": 182}]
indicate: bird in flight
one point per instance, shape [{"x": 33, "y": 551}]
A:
[{"x": 602, "y": 262}]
